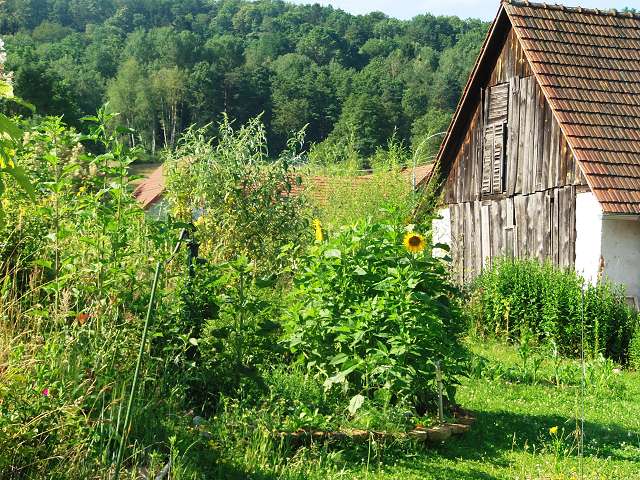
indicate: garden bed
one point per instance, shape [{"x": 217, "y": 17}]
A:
[{"x": 434, "y": 434}]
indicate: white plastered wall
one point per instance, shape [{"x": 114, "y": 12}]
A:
[
  {"x": 588, "y": 236},
  {"x": 621, "y": 252},
  {"x": 442, "y": 231},
  {"x": 607, "y": 246}
]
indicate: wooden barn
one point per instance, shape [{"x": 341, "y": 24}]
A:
[{"x": 542, "y": 158}]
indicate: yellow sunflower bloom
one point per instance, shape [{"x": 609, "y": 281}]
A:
[
  {"x": 317, "y": 226},
  {"x": 414, "y": 242}
]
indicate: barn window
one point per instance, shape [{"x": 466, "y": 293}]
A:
[{"x": 494, "y": 139}]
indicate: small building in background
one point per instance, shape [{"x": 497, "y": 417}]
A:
[
  {"x": 150, "y": 192},
  {"x": 542, "y": 158}
]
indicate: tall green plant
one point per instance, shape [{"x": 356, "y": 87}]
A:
[
  {"x": 517, "y": 297},
  {"x": 368, "y": 315},
  {"x": 10, "y": 136},
  {"x": 242, "y": 200}
]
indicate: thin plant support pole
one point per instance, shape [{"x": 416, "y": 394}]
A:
[
  {"x": 440, "y": 400},
  {"x": 582, "y": 389},
  {"x": 134, "y": 384}
]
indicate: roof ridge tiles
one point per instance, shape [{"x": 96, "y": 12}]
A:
[{"x": 578, "y": 9}]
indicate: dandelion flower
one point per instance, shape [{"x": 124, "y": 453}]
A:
[
  {"x": 553, "y": 431},
  {"x": 414, "y": 242},
  {"x": 317, "y": 226}
]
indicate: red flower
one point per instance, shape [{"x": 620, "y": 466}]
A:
[
  {"x": 45, "y": 392},
  {"x": 82, "y": 318}
]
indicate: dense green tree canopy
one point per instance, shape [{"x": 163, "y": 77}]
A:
[{"x": 167, "y": 64}]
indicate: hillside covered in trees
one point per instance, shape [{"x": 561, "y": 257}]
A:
[{"x": 167, "y": 64}]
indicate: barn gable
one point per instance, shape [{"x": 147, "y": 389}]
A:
[{"x": 585, "y": 89}]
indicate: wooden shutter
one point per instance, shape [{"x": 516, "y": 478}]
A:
[
  {"x": 494, "y": 139},
  {"x": 493, "y": 158},
  {"x": 487, "y": 161},
  {"x": 498, "y": 104},
  {"x": 498, "y": 157}
]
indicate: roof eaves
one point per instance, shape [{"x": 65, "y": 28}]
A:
[{"x": 592, "y": 11}]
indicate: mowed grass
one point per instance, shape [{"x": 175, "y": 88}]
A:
[{"x": 511, "y": 439}]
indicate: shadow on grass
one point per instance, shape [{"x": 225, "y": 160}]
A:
[{"x": 496, "y": 433}]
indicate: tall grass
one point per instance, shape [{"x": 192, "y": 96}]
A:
[{"x": 520, "y": 297}]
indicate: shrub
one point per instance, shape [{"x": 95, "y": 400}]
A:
[
  {"x": 220, "y": 331},
  {"x": 370, "y": 316},
  {"x": 521, "y": 297}
]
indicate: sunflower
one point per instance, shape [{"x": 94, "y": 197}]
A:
[
  {"x": 317, "y": 226},
  {"x": 414, "y": 242}
]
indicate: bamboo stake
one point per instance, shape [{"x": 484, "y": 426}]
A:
[
  {"x": 134, "y": 385},
  {"x": 440, "y": 400}
]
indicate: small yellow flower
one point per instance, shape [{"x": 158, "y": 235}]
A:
[
  {"x": 553, "y": 431},
  {"x": 81, "y": 190},
  {"x": 317, "y": 226},
  {"x": 200, "y": 221},
  {"x": 414, "y": 242}
]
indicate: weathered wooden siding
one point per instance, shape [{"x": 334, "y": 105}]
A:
[
  {"x": 538, "y": 157},
  {"x": 533, "y": 215}
]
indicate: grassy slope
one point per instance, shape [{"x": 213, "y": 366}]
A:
[{"x": 511, "y": 439}]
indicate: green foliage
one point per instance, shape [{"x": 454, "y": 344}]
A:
[
  {"x": 221, "y": 331},
  {"x": 72, "y": 297},
  {"x": 244, "y": 202},
  {"x": 524, "y": 297},
  {"x": 369, "y": 316},
  {"x": 543, "y": 365},
  {"x": 634, "y": 349},
  {"x": 298, "y": 64},
  {"x": 342, "y": 194}
]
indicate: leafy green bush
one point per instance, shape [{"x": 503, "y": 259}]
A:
[
  {"x": 220, "y": 331},
  {"x": 368, "y": 315},
  {"x": 515, "y": 298}
]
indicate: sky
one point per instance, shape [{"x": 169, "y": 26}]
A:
[{"x": 484, "y": 9}]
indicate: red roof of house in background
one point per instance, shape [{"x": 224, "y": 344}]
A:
[{"x": 151, "y": 189}]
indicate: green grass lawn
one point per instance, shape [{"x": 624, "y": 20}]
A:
[{"x": 511, "y": 439}]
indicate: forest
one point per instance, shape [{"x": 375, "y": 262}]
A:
[{"x": 165, "y": 65}]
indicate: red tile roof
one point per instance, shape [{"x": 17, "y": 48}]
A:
[
  {"x": 150, "y": 190},
  {"x": 588, "y": 65}
]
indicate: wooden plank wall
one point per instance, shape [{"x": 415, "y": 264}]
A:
[
  {"x": 538, "y": 156},
  {"x": 535, "y": 216},
  {"x": 540, "y": 225}
]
